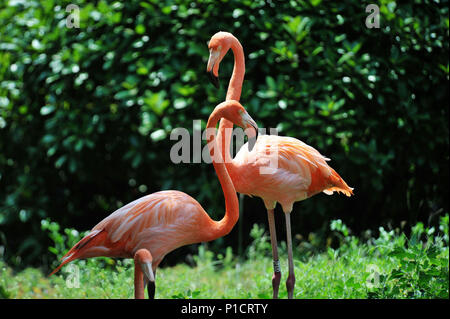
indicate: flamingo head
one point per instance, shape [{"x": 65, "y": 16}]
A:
[
  {"x": 236, "y": 113},
  {"x": 145, "y": 260},
  {"x": 218, "y": 46}
]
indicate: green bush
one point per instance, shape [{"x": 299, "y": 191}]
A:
[
  {"x": 391, "y": 265},
  {"x": 85, "y": 113},
  {"x": 423, "y": 267}
]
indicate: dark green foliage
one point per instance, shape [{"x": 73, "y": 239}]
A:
[
  {"x": 86, "y": 114},
  {"x": 391, "y": 265},
  {"x": 422, "y": 270}
]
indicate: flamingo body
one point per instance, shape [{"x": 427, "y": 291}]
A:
[
  {"x": 154, "y": 225},
  {"x": 159, "y": 222},
  {"x": 300, "y": 172}
]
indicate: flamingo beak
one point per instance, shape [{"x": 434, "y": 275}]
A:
[
  {"x": 214, "y": 79},
  {"x": 147, "y": 270},
  {"x": 249, "y": 123},
  {"x": 212, "y": 68}
]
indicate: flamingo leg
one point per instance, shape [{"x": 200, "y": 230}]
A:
[
  {"x": 276, "y": 263},
  {"x": 290, "y": 281}
]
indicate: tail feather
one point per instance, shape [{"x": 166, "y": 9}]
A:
[
  {"x": 339, "y": 185},
  {"x": 77, "y": 251}
]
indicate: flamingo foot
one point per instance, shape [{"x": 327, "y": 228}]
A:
[
  {"x": 290, "y": 284},
  {"x": 276, "y": 278}
]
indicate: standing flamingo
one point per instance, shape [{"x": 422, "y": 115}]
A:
[
  {"x": 154, "y": 225},
  {"x": 301, "y": 170}
]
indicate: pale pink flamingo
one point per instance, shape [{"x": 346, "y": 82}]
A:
[
  {"x": 301, "y": 170},
  {"x": 154, "y": 225}
]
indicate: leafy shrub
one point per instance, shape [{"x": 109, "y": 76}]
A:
[
  {"x": 62, "y": 242},
  {"x": 413, "y": 267},
  {"x": 85, "y": 114},
  {"x": 419, "y": 264},
  {"x": 423, "y": 270},
  {"x": 260, "y": 245}
]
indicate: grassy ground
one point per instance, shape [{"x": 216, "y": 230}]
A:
[{"x": 390, "y": 266}]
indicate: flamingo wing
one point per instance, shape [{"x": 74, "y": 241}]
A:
[
  {"x": 298, "y": 170},
  {"x": 160, "y": 222}
]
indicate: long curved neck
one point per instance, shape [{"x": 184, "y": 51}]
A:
[
  {"x": 237, "y": 78},
  {"x": 224, "y": 226},
  {"x": 233, "y": 93},
  {"x": 138, "y": 281}
]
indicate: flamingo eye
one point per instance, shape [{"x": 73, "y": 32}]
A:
[{"x": 215, "y": 48}]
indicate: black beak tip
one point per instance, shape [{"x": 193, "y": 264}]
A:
[
  {"x": 214, "y": 79},
  {"x": 252, "y": 141},
  {"x": 251, "y": 144}
]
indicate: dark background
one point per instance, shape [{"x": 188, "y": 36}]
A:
[{"x": 86, "y": 113}]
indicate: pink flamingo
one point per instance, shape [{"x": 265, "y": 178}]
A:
[
  {"x": 300, "y": 173},
  {"x": 152, "y": 226}
]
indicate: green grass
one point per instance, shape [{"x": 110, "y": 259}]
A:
[{"x": 389, "y": 266}]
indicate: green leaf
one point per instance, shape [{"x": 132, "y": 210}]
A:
[
  {"x": 47, "y": 109},
  {"x": 271, "y": 83},
  {"x": 60, "y": 161},
  {"x": 140, "y": 29},
  {"x": 4, "y": 294},
  {"x": 344, "y": 58},
  {"x": 156, "y": 101}
]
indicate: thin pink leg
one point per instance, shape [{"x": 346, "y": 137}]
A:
[
  {"x": 276, "y": 263},
  {"x": 290, "y": 281}
]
